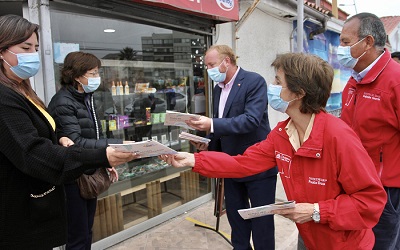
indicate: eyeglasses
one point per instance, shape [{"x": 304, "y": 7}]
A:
[{"x": 94, "y": 74}]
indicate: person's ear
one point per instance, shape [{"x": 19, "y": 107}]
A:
[
  {"x": 301, "y": 94},
  {"x": 227, "y": 61},
  {"x": 370, "y": 41}
]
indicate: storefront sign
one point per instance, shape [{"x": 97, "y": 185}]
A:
[
  {"x": 224, "y": 10},
  {"x": 61, "y": 50}
]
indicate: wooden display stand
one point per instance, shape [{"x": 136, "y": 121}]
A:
[
  {"x": 154, "y": 203},
  {"x": 190, "y": 187},
  {"x": 108, "y": 218}
]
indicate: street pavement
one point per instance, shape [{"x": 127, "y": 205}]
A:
[{"x": 180, "y": 233}]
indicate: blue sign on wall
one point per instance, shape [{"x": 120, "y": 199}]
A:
[{"x": 325, "y": 46}]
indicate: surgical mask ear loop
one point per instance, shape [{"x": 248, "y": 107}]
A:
[
  {"x": 226, "y": 67},
  {"x": 356, "y": 44},
  {"x": 5, "y": 59},
  {"x": 361, "y": 55},
  {"x": 6, "y": 62}
]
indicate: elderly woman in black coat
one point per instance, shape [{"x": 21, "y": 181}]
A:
[{"x": 73, "y": 109}]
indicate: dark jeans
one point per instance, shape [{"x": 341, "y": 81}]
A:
[
  {"x": 387, "y": 231},
  {"x": 80, "y": 213},
  {"x": 300, "y": 243},
  {"x": 260, "y": 192}
]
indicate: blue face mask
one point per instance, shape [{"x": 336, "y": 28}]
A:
[
  {"x": 216, "y": 75},
  {"x": 275, "y": 100},
  {"x": 28, "y": 64},
  {"x": 345, "y": 58},
  {"x": 93, "y": 84}
]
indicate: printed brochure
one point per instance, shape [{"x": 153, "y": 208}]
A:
[
  {"x": 144, "y": 148},
  {"x": 265, "y": 210},
  {"x": 192, "y": 137},
  {"x": 173, "y": 118}
]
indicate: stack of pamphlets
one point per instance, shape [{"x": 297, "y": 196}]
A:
[
  {"x": 173, "y": 118},
  {"x": 265, "y": 210},
  {"x": 192, "y": 137},
  {"x": 144, "y": 148}
]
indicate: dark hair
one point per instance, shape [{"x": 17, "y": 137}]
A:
[
  {"x": 76, "y": 64},
  {"x": 372, "y": 25},
  {"x": 307, "y": 75},
  {"x": 396, "y": 54},
  {"x": 15, "y": 30}
]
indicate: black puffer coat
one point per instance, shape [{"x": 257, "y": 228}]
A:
[{"x": 73, "y": 113}]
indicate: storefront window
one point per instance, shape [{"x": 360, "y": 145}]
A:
[{"x": 145, "y": 71}]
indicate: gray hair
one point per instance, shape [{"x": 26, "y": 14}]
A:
[{"x": 370, "y": 24}]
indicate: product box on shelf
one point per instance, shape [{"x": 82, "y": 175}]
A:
[
  {"x": 123, "y": 121},
  {"x": 155, "y": 118}
]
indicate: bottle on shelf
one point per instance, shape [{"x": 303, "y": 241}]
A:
[
  {"x": 117, "y": 92},
  {"x": 112, "y": 123},
  {"x": 126, "y": 88},
  {"x": 113, "y": 89},
  {"x": 121, "y": 88},
  {"x": 148, "y": 116}
]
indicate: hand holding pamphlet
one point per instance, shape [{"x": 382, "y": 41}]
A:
[
  {"x": 265, "y": 210},
  {"x": 173, "y": 118},
  {"x": 192, "y": 137},
  {"x": 144, "y": 148}
]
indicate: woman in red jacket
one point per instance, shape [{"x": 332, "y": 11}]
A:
[{"x": 321, "y": 161}]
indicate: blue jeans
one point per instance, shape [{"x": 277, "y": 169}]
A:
[{"x": 387, "y": 231}]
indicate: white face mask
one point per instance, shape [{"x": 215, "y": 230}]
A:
[
  {"x": 345, "y": 58},
  {"x": 28, "y": 64},
  {"x": 216, "y": 75},
  {"x": 93, "y": 84},
  {"x": 275, "y": 100}
]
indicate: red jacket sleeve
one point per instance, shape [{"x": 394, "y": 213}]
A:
[{"x": 255, "y": 159}]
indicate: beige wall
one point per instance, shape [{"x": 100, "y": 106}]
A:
[{"x": 260, "y": 38}]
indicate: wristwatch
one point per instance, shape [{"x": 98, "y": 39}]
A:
[{"x": 316, "y": 216}]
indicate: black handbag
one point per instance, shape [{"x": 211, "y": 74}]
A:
[{"x": 91, "y": 186}]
